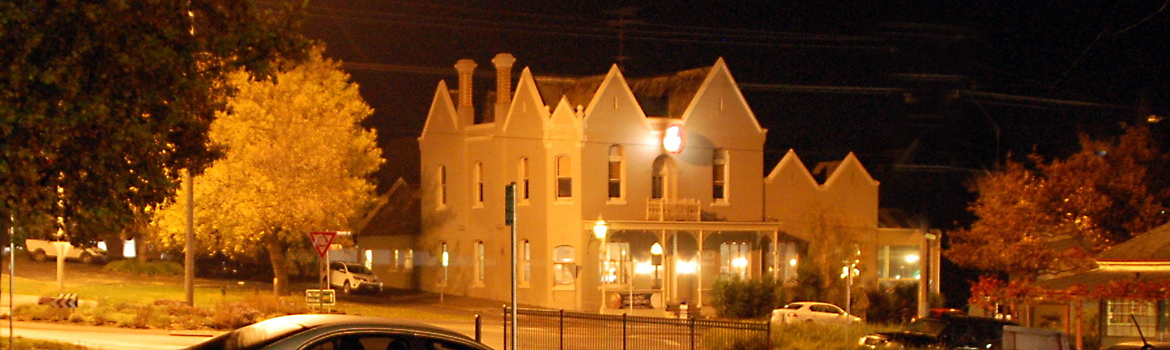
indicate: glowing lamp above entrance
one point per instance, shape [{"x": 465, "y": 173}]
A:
[{"x": 673, "y": 139}]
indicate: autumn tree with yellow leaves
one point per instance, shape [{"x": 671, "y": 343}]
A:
[{"x": 296, "y": 160}]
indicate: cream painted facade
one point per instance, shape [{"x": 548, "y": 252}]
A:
[{"x": 588, "y": 149}]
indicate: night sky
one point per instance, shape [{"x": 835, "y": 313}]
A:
[{"x": 926, "y": 94}]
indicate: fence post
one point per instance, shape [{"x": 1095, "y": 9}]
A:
[
  {"x": 624, "y": 337},
  {"x": 770, "y": 335},
  {"x": 692, "y": 320},
  {"x": 562, "y": 330},
  {"x": 477, "y": 328},
  {"x": 505, "y": 326}
]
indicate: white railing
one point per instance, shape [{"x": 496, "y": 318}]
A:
[{"x": 672, "y": 209}]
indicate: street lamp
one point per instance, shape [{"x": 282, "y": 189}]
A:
[
  {"x": 599, "y": 231},
  {"x": 656, "y": 259}
]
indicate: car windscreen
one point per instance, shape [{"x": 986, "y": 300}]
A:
[
  {"x": 353, "y": 268},
  {"x": 792, "y": 306},
  {"x": 250, "y": 337},
  {"x": 928, "y": 326}
]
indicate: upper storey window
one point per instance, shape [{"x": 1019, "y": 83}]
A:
[
  {"x": 479, "y": 183},
  {"x": 617, "y": 172},
  {"x": 442, "y": 186},
  {"x": 523, "y": 190},
  {"x": 719, "y": 175},
  {"x": 564, "y": 177}
]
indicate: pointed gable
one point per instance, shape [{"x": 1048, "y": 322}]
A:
[
  {"x": 442, "y": 117},
  {"x": 614, "y": 111},
  {"x": 851, "y": 171},
  {"x": 564, "y": 125},
  {"x": 527, "y": 115},
  {"x": 719, "y": 108},
  {"x": 791, "y": 171}
]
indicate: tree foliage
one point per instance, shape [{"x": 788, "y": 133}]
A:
[
  {"x": 105, "y": 100},
  {"x": 1037, "y": 217},
  {"x": 296, "y": 161}
]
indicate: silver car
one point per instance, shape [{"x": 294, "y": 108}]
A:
[{"x": 339, "y": 332}]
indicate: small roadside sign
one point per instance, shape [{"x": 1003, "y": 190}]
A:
[
  {"x": 322, "y": 240},
  {"x": 326, "y": 297}
]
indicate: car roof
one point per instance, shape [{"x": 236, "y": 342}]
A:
[{"x": 309, "y": 321}]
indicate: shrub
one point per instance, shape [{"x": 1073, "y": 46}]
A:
[
  {"x": 744, "y": 299},
  {"x": 167, "y": 268},
  {"x": 895, "y": 305},
  {"x": 805, "y": 336}
]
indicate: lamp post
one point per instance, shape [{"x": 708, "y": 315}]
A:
[
  {"x": 656, "y": 259},
  {"x": 599, "y": 231}
]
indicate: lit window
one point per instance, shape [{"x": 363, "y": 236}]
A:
[
  {"x": 442, "y": 185},
  {"x": 734, "y": 258},
  {"x": 1120, "y": 323},
  {"x": 564, "y": 177},
  {"x": 408, "y": 263},
  {"x": 523, "y": 179},
  {"x": 526, "y": 277},
  {"x": 719, "y": 175},
  {"x": 479, "y": 266},
  {"x": 397, "y": 261},
  {"x": 618, "y": 266},
  {"x": 564, "y": 265},
  {"x": 479, "y": 183},
  {"x": 616, "y": 172},
  {"x": 898, "y": 263},
  {"x": 369, "y": 259}
]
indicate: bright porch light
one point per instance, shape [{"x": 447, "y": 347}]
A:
[{"x": 685, "y": 267}]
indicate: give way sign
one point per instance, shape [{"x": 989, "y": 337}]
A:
[{"x": 321, "y": 241}]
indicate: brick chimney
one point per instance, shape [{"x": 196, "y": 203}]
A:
[
  {"x": 466, "y": 110},
  {"x": 503, "y": 64}
]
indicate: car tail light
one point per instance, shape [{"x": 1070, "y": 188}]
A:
[{"x": 791, "y": 314}]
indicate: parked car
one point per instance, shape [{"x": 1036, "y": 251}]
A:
[
  {"x": 351, "y": 277},
  {"x": 327, "y": 332},
  {"x": 811, "y": 312},
  {"x": 1140, "y": 345},
  {"x": 42, "y": 250},
  {"x": 948, "y": 331}
]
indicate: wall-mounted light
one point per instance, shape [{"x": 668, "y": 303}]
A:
[
  {"x": 912, "y": 258},
  {"x": 600, "y": 229},
  {"x": 673, "y": 140},
  {"x": 685, "y": 267},
  {"x": 792, "y": 262}
]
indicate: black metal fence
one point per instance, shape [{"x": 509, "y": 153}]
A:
[{"x": 567, "y": 330}]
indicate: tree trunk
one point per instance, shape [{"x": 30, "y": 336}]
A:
[{"x": 279, "y": 265}]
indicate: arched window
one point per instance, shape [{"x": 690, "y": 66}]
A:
[
  {"x": 478, "y": 183},
  {"x": 719, "y": 175},
  {"x": 662, "y": 178},
  {"x": 564, "y": 265},
  {"x": 526, "y": 263},
  {"x": 617, "y": 172},
  {"x": 564, "y": 171}
]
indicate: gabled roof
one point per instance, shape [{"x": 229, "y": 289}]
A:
[
  {"x": 1154, "y": 245},
  {"x": 660, "y": 96}
]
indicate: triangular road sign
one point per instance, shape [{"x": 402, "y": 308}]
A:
[{"x": 322, "y": 240}]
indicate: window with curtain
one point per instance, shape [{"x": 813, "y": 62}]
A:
[
  {"x": 564, "y": 173},
  {"x": 734, "y": 258},
  {"x": 526, "y": 264},
  {"x": 479, "y": 261}
]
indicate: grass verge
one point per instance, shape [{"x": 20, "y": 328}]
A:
[{"x": 33, "y": 344}]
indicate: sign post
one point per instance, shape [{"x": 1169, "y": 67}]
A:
[
  {"x": 321, "y": 241},
  {"x": 510, "y": 220}
]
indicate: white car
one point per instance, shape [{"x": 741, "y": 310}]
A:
[
  {"x": 42, "y": 250},
  {"x": 351, "y": 277},
  {"x": 812, "y": 312}
]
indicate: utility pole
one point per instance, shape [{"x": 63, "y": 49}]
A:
[{"x": 189, "y": 259}]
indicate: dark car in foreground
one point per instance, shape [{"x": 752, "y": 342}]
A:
[
  {"x": 339, "y": 332},
  {"x": 945, "y": 331}
]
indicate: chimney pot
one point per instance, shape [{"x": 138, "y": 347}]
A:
[{"x": 466, "y": 69}]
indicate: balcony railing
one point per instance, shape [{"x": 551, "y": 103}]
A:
[{"x": 662, "y": 209}]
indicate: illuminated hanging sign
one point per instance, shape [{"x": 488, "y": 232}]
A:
[{"x": 673, "y": 140}]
